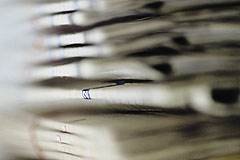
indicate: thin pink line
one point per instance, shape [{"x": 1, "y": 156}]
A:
[{"x": 32, "y": 133}]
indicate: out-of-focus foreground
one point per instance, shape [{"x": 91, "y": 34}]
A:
[{"x": 120, "y": 79}]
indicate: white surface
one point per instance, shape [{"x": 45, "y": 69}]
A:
[{"x": 15, "y": 36}]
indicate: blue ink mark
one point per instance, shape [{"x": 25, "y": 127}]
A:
[{"x": 86, "y": 94}]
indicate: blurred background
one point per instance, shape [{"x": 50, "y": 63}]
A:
[{"x": 156, "y": 79}]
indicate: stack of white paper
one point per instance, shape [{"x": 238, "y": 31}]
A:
[{"x": 121, "y": 79}]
